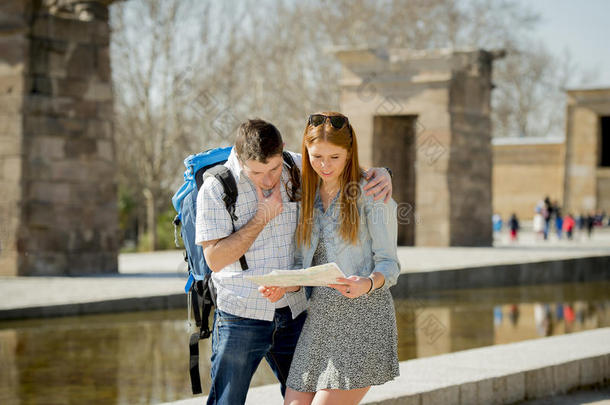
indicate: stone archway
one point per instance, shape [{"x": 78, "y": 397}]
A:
[{"x": 426, "y": 114}]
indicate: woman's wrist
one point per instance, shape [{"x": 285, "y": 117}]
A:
[
  {"x": 378, "y": 280},
  {"x": 372, "y": 285}
]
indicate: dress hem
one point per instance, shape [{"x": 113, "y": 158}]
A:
[{"x": 356, "y": 386}]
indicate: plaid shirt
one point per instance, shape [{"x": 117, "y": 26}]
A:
[{"x": 273, "y": 248}]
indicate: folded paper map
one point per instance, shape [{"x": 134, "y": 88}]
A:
[{"x": 321, "y": 275}]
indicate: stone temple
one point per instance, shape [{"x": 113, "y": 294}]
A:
[{"x": 426, "y": 115}]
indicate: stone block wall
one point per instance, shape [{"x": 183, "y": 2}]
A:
[
  {"x": 524, "y": 172},
  {"x": 63, "y": 161}
]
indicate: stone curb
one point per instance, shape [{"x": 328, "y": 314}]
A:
[
  {"x": 584, "y": 269},
  {"x": 171, "y": 301},
  {"x": 501, "y": 374}
]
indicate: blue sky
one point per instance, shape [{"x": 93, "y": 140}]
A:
[{"x": 580, "y": 26}]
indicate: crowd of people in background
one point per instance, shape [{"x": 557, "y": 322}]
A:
[
  {"x": 548, "y": 218},
  {"x": 551, "y": 318}
]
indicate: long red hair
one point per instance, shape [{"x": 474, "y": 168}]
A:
[{"x": 349, "y": 181}]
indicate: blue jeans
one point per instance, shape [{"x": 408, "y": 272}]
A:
[{"x": 238, "y": 346}]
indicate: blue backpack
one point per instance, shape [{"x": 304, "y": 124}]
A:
[{"x": 199, "y": 286}]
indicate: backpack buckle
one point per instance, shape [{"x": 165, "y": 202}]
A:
[{"x": 204, "y": 334}]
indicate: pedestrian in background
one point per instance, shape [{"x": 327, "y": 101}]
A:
[
  {"x": 581, "y": 222},
  {"x": 513, "y": 223},
  {"x": 558, "y": 219},
  {"x": 538, "y": 223},
  {"x": 590, "y": 222},
  {"x": 547, "y": 213},
  {"x": 496, "y": 220},
  {"x": 568, "y": 225}
]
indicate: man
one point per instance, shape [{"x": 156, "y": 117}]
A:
[{"x": 247, "y": 325}]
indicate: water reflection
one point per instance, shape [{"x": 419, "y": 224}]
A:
[
  {"x": 101, "y": 360},
  {"x": 142, "y": 358},
  {"x": 447, "y": 321}
]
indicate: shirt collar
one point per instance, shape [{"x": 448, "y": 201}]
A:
[
  {"x": 235, "y": 166},
  {"x": 318, "y": 201}
]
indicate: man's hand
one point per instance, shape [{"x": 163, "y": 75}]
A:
[
  {"x": 379, "y": 184},
  {"x": 271, "y": 206},
  {"x": 273, "y": 294}
]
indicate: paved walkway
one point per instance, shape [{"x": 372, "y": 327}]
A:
[
  {"x": 415, "y": 259},
  {"x": 528, "y": 248},
  {"x": 162, "y": 274}
]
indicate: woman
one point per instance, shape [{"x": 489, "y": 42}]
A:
[
  {"x": 349, "y": 340},
  {"x": 538, "y": 224}
]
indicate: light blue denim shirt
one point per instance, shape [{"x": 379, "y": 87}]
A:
[{"x": 377, "y": 237}]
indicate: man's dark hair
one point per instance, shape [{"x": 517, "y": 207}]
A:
[{"x": 258, "y": 140}]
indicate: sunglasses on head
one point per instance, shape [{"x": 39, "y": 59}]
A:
[{"x": 337, "y": 121}]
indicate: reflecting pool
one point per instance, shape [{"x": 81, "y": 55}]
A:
[{"x": 142, "y": 357}]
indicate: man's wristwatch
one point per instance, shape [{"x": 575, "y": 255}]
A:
[{"x": 389, "y": 171}]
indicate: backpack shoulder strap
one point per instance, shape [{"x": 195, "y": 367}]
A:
[
  {"x": 225, "y": 177},
  {"x": 295, "y": 176},
  {"x": 288, "y": 159}
]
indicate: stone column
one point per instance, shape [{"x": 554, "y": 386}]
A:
[
  {"x": 62, "y": 156},
  {"x": 437, "y": 104}
]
